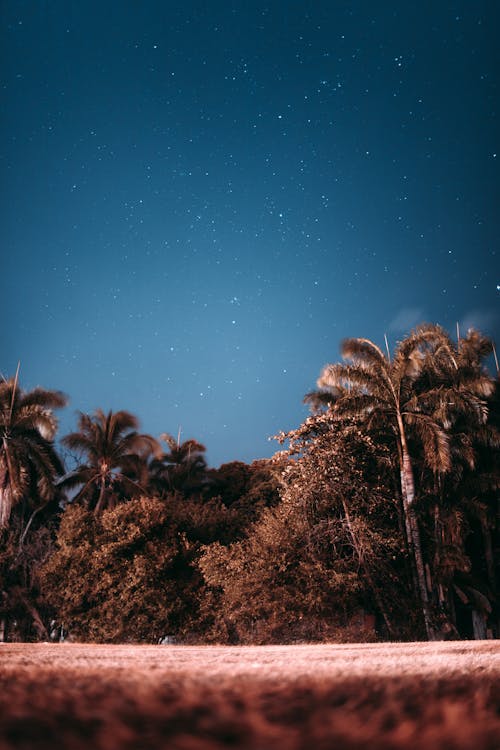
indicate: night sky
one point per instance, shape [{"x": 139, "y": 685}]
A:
[{"x": 199, "y": 200}]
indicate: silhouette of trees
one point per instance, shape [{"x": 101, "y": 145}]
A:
[
  {"x": 183, "y": 468},
  {"x": 116, "y": 465},
  {"x": 380, "y": 519},
  {"x": 29, "y": 467}
]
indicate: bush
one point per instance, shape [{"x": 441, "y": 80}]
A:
[{"x": 128, "y": 575}]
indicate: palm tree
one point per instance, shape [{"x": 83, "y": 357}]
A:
[
  {"x": 410, "y": 396},
  {"x": 182, "y": 469},
  {"x": 461, "y": 505},
  {"x": 29, "y": 464},
  {"x": 116, "y": 459}
]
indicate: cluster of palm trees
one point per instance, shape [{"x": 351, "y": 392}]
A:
[
  {"x": 431, "y": 404},
  {"x": 116, "y": 461}
]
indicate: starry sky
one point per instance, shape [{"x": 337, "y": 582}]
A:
[{"x": 199, "y": 200}]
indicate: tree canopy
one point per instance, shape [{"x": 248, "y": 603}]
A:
[{"x": 378, "y": 518}]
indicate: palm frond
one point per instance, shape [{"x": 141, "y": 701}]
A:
[
  {"x": 434, "y": 441},
  {"x": 462, "y": 451},
  {"x": 345, "y": 378},
  {"x": 424, "y": 348},
  {"x": 39, "y": 446},
  {"x": 82, "y": 443},
  {"x": 36, "y": 418},
  {"x": 119, "y": 422},
  {"x": 487, "y": 436},
  {"x": 449, "y": 404},
  {"x": 133, "y": 465},
  {"x": 44, "y": 398},
  {"x": 475, "y": 347},
  {"x": 141, "y": 444},
  {"x": 80, "y": 475},
  {"x": 480, "y": 384},
  {"x": 358, "y": 405},
  {"x": 321, "y": 399},
  {"x": 6, "y": 503},
  {"x": 364, "y": 353},
  {"x": 169, "y": 439}
]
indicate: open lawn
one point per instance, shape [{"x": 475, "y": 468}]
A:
[{"x": 420, "y": 696}]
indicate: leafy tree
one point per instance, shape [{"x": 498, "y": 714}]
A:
[
  {"x": 116, "y": 465},
  {"x": 246, "y": 489},
  {"x": 23, "y": 614},
  {"x": 229, "y": 481},
  {"x": 326, "y": 550},
  {"x": 413, "y": 402},
  {"x": 142, "y": 583},
  {"x": 29, "y": 463}
]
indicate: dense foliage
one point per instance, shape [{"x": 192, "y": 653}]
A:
[
  {"x": 313, "y": 566},
  {"x": 127, "y": 574},
  {"x": 378, "y": 519}
]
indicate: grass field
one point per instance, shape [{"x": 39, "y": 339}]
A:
[{"x": 379, "y": 696}]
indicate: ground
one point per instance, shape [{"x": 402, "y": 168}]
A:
[{"x": 380, "y": 696}]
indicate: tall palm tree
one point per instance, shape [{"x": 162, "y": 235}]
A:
[
  {"x": 461, "y": 505},
  {"x": 410, "y": 396},
  {"x": 116, "y": 459},
  {"x": 183, "y": 468},
  {"x": 29, "y": 464}
]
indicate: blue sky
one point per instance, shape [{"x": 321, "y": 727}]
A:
[{"x": 200, "y": 200}]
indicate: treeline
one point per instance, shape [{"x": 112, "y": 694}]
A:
[{"x": 379, "y": 519}]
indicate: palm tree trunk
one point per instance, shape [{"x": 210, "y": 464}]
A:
[
  {"x": 100, "y": 501},
  {"x": 40, "y": 628},
  {"x": 412, "y": 529},
  {"x": 6, "y": 490},
  {"x": 490, "y": 565},
  {"x": 488, "y": 553}
]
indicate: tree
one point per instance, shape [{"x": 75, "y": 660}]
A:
[
  {"x": 324, "y": 554},
  {"x": 247, "y": 489},
  {"x": 29, "y": 463},
  {"x": 23, "y": 615},
  {"x": 412, "y": 398},
  {"x": 458, "y": 509},
  {"x": 183, "y": 468},
  {"x": 341, "y": 474},
  {"x": 116, "y": 459},
  {"x": 143, "y": 582}
]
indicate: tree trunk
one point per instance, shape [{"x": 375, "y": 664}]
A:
[
  {"x": 488, "y": 553},
  {"x": 40, "y": 628},
  {"x": 419, "y": 564},
  {"x": 6, "y": 490},
  {"x": 404, "y": 528},
  {"x": 100, "y": 501},
  {"x": 412, "y": 530},
  {"x": 27, "y": 527},
  {"x": 490, "y": 566},
  {"x": 442, "y": 595}
]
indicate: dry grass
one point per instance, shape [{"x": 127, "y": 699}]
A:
[{"x": 384, "y": 696}]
